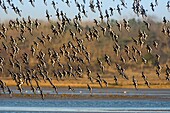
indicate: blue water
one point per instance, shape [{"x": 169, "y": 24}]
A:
[
  {"x": 159, "y": 104},
  {"x": 69, "y": 106},
  {"x": 82, "y": 103}
]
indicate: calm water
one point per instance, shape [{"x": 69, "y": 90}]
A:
[
  {"x": 15, "y": 105},
  {"x": 69, "y": 106}
]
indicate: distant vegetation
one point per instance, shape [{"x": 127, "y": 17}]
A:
[{"x": 53, "y": 43}]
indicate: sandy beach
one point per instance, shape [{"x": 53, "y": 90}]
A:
[{"x": 84, "y": 97}]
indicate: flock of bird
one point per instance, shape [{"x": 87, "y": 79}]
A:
[{"x": 72, "y": 59}]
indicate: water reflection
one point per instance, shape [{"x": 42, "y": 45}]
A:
[
  {"x": 54, "y": 105},
  {"x": 78, "y": 109},
  {"x": 16, "y": 105}
]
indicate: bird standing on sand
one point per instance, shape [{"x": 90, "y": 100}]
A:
[{"x": 70, "y": 88}]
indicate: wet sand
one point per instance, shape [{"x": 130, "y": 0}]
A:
[
  {"x": 84, "y": 97},
  {"x": 64, "y": 84}
]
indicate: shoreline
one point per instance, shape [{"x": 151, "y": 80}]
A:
[
  {"x": 84, "y": 97},
  {"x": 65, "y": 96}
]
